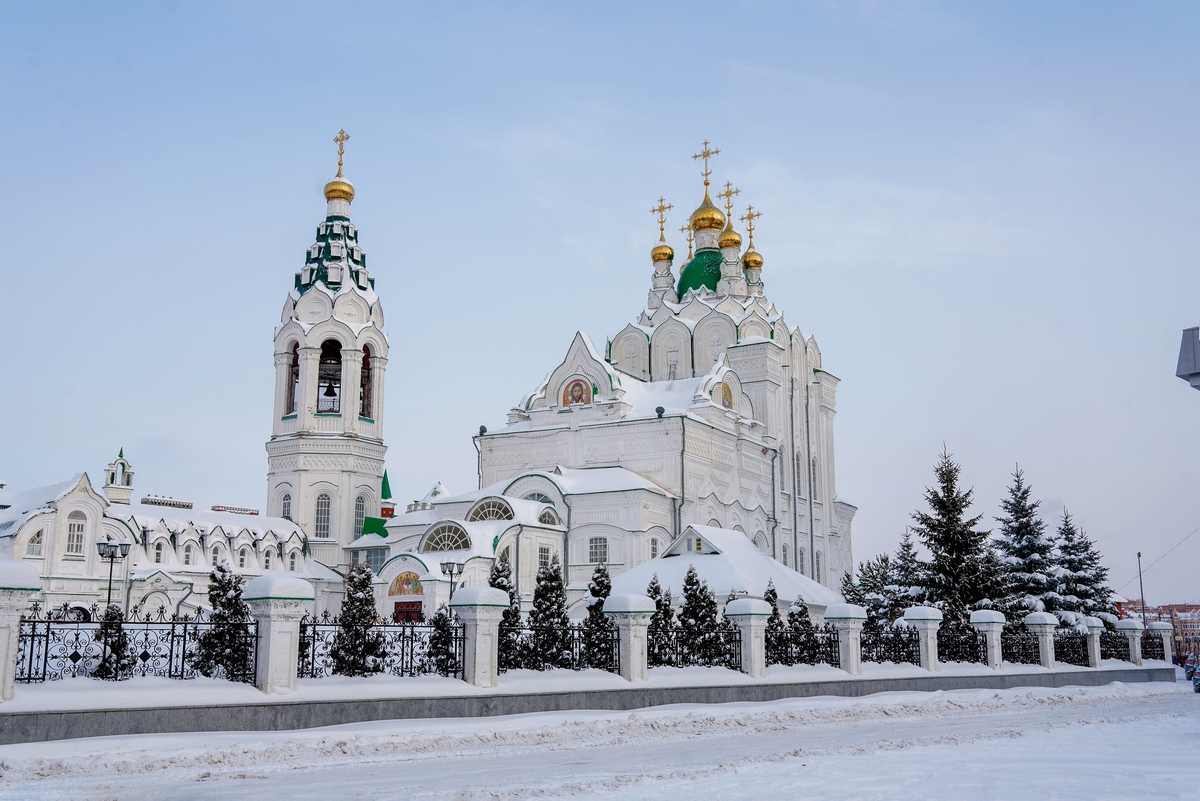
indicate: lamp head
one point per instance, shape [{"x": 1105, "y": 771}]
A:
[
  {"x": 447, "y": 567},
  {"x": 124, "y": 549}
]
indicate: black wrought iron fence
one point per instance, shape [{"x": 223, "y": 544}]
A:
[
  {"x": 961, "y": 644},
  {"x": 1114, "y": 645},
  {"x": 809, "y": 645},
  {"x": 671, "y": 646},
  {"x": 1152, "y": 646},
  {"x": 405, "y": 648},
  {"x": 896, "y": 644},
  {"x": 50, "y": 647},
  {"x": 1020, "y": 648},
  {"x": 1071, "y": 647},
  {"x": 549, "y": 647}
]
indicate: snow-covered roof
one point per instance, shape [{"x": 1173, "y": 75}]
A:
[
  {"x": 22, "y": 505},
  {"x": 438, "y": 492},
  {"x": 728, "y": 561},
  {"x": 570, "y": 481},
  {"x": 140, "y": 515}
]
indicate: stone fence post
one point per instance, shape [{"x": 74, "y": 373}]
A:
[
  {"x": 848, "y": 619},
  {"x": 1132, "y": 629},
  {"x": 750, "y": 615},
  {"x": 632, "y": 615},
  {"x": 1043, "y": 625},
  {"x": 926, "y": 620},
  {"x": 480, "y": 610},
  {"x": 991, "y": 623},
  {"x": 18, "y": 581},
  {"x": 278, "y": 601},
  {"x": 1095, "y": 627},
  {"x": 1163, "y": 629}
]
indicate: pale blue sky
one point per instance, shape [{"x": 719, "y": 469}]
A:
[{"x": 986, "y": 213}]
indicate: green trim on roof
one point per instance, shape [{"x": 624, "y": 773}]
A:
[
  {"x": 386, "y": 491},
  {"x": 374, "y": 525},
  {"x": 703, "y": 270}
]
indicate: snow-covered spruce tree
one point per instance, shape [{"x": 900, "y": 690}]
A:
[
  {"x": 658, "y": 634},
  {"x": 551, "y": 646},
  {"x": 116, "y": 661},
  {"x": 802, "y": 633},
  {"x": 698, "y": 620},
  {"x": 597, "y": 628},
  {"x": 906, "y": 585},
  {"x": 224, "y": 647},
  {"x": 778, "y": 647},
  {"x": 1026, "y": 553},
  {"x": 441, "y": 656},
  {"x": 1083, "y": 579},
  {"x": 963, "y": 572},
  {"x": 509, "y": 646},
  {"x": 357, "y": 646},
  {"x": 871, "y": 589}
]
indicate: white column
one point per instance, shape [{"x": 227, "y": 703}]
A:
[
  {"x": 278, "y": 602},
  {"x": 991, "y": 623},
  {"x": 750, "y": 615},
  {"x": 18, "y": 581},
  {"x": 926, "y": 620},
  {"x": 1164, "y": 630},
  {"x": 306, "y": 393},
  {"x": 1132, "y": 629},
  {"x": 351, "y": 383},
  {"x": 632, "y": 615},
  {"x": 848, "y": 619},
  {"x": 480, "y": 610},
  {"x": 1043, "y": 625},
  {"x": 1095, "y": 627}
]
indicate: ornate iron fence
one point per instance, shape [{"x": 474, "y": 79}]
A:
[
  {"x": 961, "y": 644},
  {"x": 1020, "y": 648},
  {"x": 1071, "y": 647},
  {"x": 405, "y": 646},
  {"x": 50, "y": 647},
  {"x": 1114, "y": 645},
  {"x": 897, "y": 644},
  {"x": 1152, "y": 646},
  {"x": 549, "y": 647},
  {"x": 672, "y": 647},
  {"x": 810, "y": 645}
]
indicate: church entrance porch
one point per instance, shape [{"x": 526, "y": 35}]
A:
[{"x": 408, "y": 612}]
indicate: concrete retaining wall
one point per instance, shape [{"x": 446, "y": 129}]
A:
[{"x": 26, "y": 727}]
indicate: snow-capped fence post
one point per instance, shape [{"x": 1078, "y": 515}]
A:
[
  {"x": 1095, "y": 627},
  {"x": 750, "y": 615},
  {"x": 991, "y": 623},
  {"x": 18, "y": 581},
  {"x": 480, "y": 610},
  {"x": 848, "y": 619},
  {"x": 1164, "y": 630},
  {"x": 926, "y": 620},
  {"x": 1043, "y": 625},
  {"x": 632, "y": 615},
  {"x": 277, "y": 602},
  {"x": 1132, "y": 629}
]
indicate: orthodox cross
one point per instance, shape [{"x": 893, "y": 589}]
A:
[
  {"x": 728, "y": 196},
  {"x": 706, "y": 154},
  {"x": 688, "y": 230},
  {"x": 341, "y": 143},
  {"x": 661, "y": 210},
  {"x": 749, "y": 218}
]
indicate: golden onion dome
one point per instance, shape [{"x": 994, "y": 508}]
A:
[
  {"x": 708, "y": 217},
  {"x": 729, "y": 239},
  {"x": 339, "y": 189},
  {"x": 753, "y": 260},
  {"x": 662, "y": 252}
]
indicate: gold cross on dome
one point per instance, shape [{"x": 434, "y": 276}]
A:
[
  {"x": 728, "y": 195},
  {"x": 341, "y": 143},
  {"x": 661, "y": 210},
  {"x": 706, "y": 154},
  {"x": 750, "y": 216},
  {"x": 688, "y": 230}
]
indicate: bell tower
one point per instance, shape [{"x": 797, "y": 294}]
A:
[{"x": 325, "y": 458}]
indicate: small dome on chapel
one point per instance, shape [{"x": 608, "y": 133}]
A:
[{"x": 708, "y": 217}]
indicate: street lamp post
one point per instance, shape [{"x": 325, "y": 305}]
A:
[
  {"x": 111, "y": 552},
  {"x": 451, "y": 569}
]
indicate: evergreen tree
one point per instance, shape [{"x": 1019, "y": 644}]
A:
[
  {"x": 777, "y": 641},
  {"x": 551, "y": 647},
  {"x": 441, "y": 656},
  {"x": 872, "y": 588},
  {"x": 116, "y": 661},
  {"x": 698, "y": 620},
  {"x": 658, "y": 634},
  {"x": 906, "y": 586},
  {"x": 962, "y": 572},
  {"x": 597, "y": 627},
  {"x": 224, "y": 648},
  {"x": 357, "y": 647},
  {"x": 1082, "y": 577},
  {"x": 1026, "y": 554},
  {"x": 802, "y": 633},
  {"x": 509, "y": 646}
]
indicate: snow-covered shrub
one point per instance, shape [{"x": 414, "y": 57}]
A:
[
  {"x": 357, "y": 648},
  {"x": 224, "y": 647},
  {"x": 597, "y": 628},
  {"x": 116, "y": 661}
]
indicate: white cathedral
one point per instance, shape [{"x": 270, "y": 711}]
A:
[{"x": 701, "y": 435}]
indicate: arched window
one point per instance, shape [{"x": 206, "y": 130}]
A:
[
  {"x": 598, "y": 550},
  {"x": 216, "y": 556},
  {"x": 285, "y": 509},
  {"x": 292, "y": 562},
  {"x": 364, "y": 384},
  {"x": 293, "y": 380},
  {"x": 446, "y": 537},
  {"x": 267, "y": 559},
  {"x": 75, "y": 525},
  {"x": 654, "y": 547},
  {"x": 817, "y": 565},
  {"x": 329, "y": 378},
  {"x": 158, "y": 553},
  {"x": 800, "y": 560},
  {"x": 322, "y": 528},
  {"x": 540, "y": 497},
  {"x": 785, "y": 556},
  {"x": 360, "y": 513},
  {"x": 34, "y": 548},
  {"x": 760, "y": 541},
  {"x": 187, "y": 554},
  {"x": 242, "y": 557},
  {"x": 549, "y": 517},
  {"x": 490, "y": 509},
  {"x": 506, "y": 554}
]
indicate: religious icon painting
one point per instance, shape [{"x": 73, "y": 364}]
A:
[
  {"x": 407, "y": 583},
  {"x": 726, "y": 395},
  {"x": 577, "y": 391}
]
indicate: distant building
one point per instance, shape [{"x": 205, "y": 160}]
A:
[{"x": 1189, "y": 357}]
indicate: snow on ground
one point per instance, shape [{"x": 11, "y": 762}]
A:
[{"x": 1118, "y": 741}]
